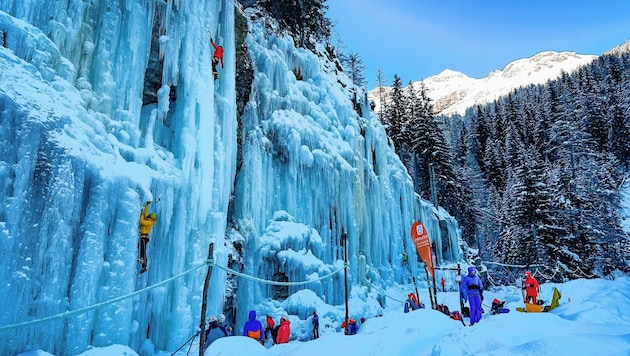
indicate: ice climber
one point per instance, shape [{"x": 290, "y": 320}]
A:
[
  {"x": 216, "y": 58},
  {"x": 253, "y": 328},
  {"x": 531, "y": 288},
  {"x": 472, "y": 290},
  {"x": 146, "y": 222}
]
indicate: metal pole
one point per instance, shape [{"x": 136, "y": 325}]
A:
[
  {"x": 344, "y": 240},
  {"x": 416, "y": 287},
  {"x": 204, "y": 301},
  {"x": 434, "y": 290},
  {"x": 461, "y": 302},
  {"x": 426, "y": 270}
]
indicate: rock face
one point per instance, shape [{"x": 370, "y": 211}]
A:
[{"x": 453, "y": 92}]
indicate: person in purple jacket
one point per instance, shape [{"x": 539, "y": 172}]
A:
[
  {"x": 253, "y": 328},
  {"x": 472, "y": 289}
]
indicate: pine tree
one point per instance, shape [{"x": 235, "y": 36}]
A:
[
  {"x": 305, "y": 19},
  {"x": 381, "y": 83},
  {"x": 353, "y": 65},
  {"x": 395, "y": 114}
]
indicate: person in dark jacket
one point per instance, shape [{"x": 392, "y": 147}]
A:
[
  {"x": 472, "y": 290},
  {"x": 253, "y": 328},
  {"x": 315, "y": 325}
]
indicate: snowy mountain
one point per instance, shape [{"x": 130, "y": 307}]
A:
[
  {"x": 273, "y": 163},
  {"x": 453, "y": 92}
]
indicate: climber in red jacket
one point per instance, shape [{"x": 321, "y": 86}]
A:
[{"x": 216, "y": 58}]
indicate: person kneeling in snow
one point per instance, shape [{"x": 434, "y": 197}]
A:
[
  {"x": 352, "y": 327},
  {"x": 497, "y": 307}
]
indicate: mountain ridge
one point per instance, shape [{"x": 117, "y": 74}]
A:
[{"x": 453, "y": 92}]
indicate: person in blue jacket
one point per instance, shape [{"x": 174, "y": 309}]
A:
[
  {"x": 253, "y": 328},
  {"x": 472, "y": 290},
  {"x": 315, "y": 325},
  {"x": 216, "y": 329}
]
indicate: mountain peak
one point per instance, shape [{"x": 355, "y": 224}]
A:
[{"x": 453, "y": 92}]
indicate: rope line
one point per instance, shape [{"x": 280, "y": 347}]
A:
[
  {"x": 509, "y": 265},
  {"x": 98, "y": 305},
  {"x": 209, "y": 262},
  {"x": 379, "y": 289},
  {"x": 265, "y": 281},
  {"x": 555, "y": 270}
]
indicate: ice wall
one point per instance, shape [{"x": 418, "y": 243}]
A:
[
  {"x": 80, "y": 154},
  {"x": 313, "y": 158}
]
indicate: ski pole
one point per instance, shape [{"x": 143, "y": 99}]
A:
[
  {"x": 184, "y": 344},
  {"x": 191, "y": 343}
]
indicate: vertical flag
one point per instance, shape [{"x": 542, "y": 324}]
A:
[{"x": 420, "y": 238}]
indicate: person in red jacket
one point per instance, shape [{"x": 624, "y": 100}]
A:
[
  {"x": 531, "y": 288},
  {"x": 216, "y": 58},
  {"x": 414, "y": 299},
  {"x": 269, "y": 326},
  {"x": 284, "y": 332}
]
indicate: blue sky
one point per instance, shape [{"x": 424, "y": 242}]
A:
[{"x": 418, "y": 38}]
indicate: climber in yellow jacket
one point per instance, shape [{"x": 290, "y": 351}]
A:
[{"x": 146, "y": 222}]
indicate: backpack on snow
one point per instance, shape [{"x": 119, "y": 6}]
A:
[
  {"x": 456, "y": 315},
  {"x": 443, "y": 308}
]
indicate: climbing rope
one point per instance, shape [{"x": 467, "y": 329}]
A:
[
  {"x": 265, "y": 281},
  {"x": 381, "y": 290},
  {"x": 208, "y": 262},
  {"x": 98, "y": 305}
]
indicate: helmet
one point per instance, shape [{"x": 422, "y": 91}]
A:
[
  {"x": 221, "y": 318},
  {"x": 527, "y": 273},
  {"x": 284, "y": 317},
  {"x": 472, "y": 270},
  {"x": 212, "y": 319},
  {"x": 153, "y": 216}
]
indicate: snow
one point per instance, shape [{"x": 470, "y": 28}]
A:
[
  {"x": 592, "y": 319},
  {"x": 81, "y": 154}
]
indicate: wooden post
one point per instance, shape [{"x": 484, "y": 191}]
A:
[
  {"x": 204, "y": 301},
  {"x": 344, "y": 240}
]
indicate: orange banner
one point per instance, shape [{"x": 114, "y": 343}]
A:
[{"x": 420, "y": 238}]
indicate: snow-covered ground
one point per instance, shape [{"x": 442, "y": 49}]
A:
[{"x": 592, "y": 319}]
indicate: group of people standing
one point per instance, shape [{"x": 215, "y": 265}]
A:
[
  {"x": 280, "y": 334},
  {"x": 471, "y": 290}
]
